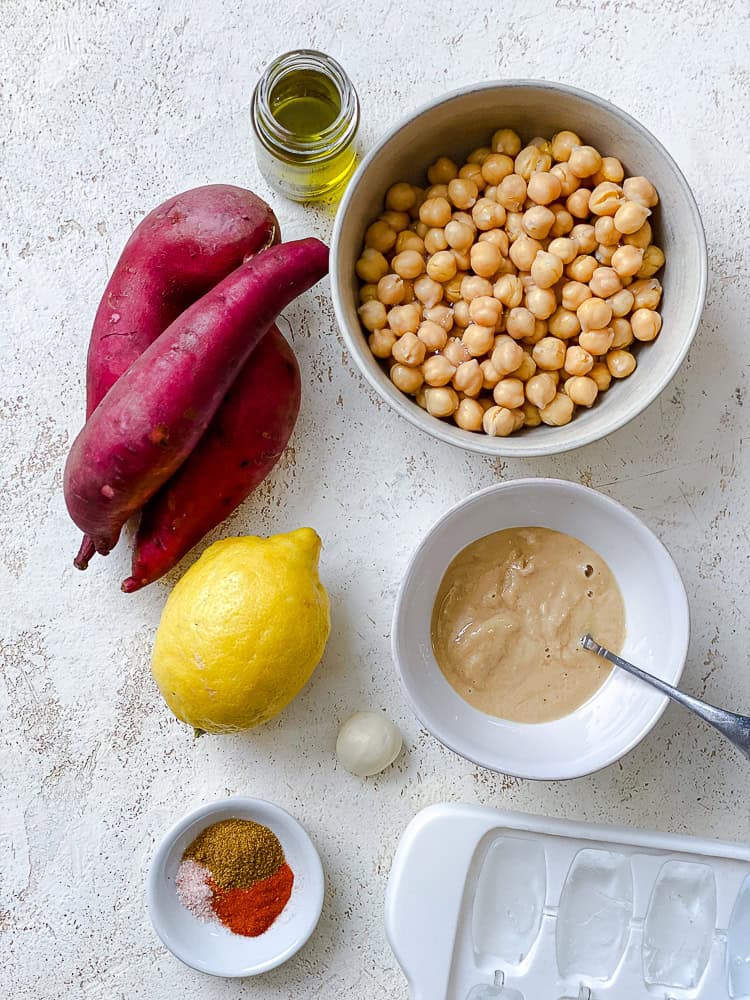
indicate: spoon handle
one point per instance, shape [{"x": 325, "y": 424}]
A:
[{"x": 735, "y": 727}]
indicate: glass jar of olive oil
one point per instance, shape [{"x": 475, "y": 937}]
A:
[{"x": 305, "y": 116}]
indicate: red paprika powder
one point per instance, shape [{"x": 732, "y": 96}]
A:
[{"x": 251, "y": 912}]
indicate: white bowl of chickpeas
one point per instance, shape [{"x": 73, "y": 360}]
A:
[{"x": 519, "y": 268}]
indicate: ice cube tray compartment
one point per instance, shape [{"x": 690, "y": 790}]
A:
[{"x": 599, "y": 912}]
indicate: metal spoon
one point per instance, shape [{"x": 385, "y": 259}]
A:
[{"x": 735, "y": 727}]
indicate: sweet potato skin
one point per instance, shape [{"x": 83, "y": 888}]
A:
[
  {"x": 240, "y": 447},
  {"x": 155, "y": 414},
  {"x": 176, "y": 254}
]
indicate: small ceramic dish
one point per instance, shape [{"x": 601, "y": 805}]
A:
[
  {"x": 210, "y": 947},
  {"x": 623, "y": 710},
  {"x": 453, "y": 124}
]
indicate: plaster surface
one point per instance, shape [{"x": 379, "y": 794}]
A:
[{"x": 106, "y": 109}]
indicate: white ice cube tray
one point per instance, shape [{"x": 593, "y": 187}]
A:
[{"x": 485, "y": 904}]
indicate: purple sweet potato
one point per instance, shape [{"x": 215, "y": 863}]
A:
[
  {"x": 240, "y": 447},
  {"x": 177, "y": 253},
  {"x": 155, "y": 414}
]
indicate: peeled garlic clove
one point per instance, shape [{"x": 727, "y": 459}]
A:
[{"x": 367, "y": 744}]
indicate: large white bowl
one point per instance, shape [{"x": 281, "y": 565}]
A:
[
  {"x": 620, "y": 714},
  {"x": 454, "y": 125},
  {"x": 210, "y": 947}
]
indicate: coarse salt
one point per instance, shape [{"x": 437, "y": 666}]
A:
[{"x": 194, "y": 890}]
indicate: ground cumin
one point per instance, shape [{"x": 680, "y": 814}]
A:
[{"x": 237, "y": 852}]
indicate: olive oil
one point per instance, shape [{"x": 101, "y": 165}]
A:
[{"x": 305, "y": 116}]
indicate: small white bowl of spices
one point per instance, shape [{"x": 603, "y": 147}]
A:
[
  {"x": 489, "y": 617},
  {"x": 235, "y": 888}
]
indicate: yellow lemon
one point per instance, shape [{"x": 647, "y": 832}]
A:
[{"x": 242, "y": 631}]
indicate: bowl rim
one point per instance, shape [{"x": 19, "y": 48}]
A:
[
  {"x": 154, "y": 881},
  {"x": 482, "y": 444},
  {"x": 409, "y": 579}
]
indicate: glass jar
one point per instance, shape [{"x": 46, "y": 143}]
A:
[{"x": 305, "y": 115}]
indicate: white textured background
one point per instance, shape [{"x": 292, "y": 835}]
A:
[{"x": 106, "y": 108}]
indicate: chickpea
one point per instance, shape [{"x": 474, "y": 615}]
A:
[
  {"x": 518, "y": 419},
  {"x": 584, "y": 161},
  {"x": 485, "y": 259},
  {"x": 432, "y": 335},
  {"x": 372, "y": 315},
  {"x": 605, "y": 199},
  {"x": 459, "y": 235},
  {"x": 381, "y": 343},
  {"x": 508, "y": 290},
  {"x": 509, "y": 392},
  {"x": 526, "y": 370},
  {"x": 452, "y": 288},
  {"x": 564, "y": 248},
  {"x": 367, "y": 293},
  {"x": 456, "y": 351},
  {"x": 506, "y": 141},
  {"x": 541, "y": 389},
  {"x": 436, "y": 191},
  {"x": 421, "y": 228},
  {"x": 523, "y": 252},
  {"x": 546, "y": 270},
  {"x": 540, "y": 332},
  {"x": 409, "y": 240},
  {"x": 630, "y": 216},
  {"x": 514, "y": 226},
  {"x": 498, "y": 422},
  {"x": 485, "y": 310},
  {"x": 390, "y": 290},
  {"x": 497, "y": 236},
  {"x": 582, "y": 268},
  {"x": 543, "y": 187},
  {"x": 441, "y": 266},
  {"x": 463, "y": 260},
  {"x": 563, "y": 222},
  {"x": 640, "y": 238},
  {"x": 507, "y": 355},
  {"x": 419, "y": 197},
  {"x": 606, "y": 232},
  {"x": 442, "y": 171},
  {"x": 441, "y": 402},
  {"x": 611, "y": 170},
  {"x": 584, "y": 236},
  {"x": 408, "y": 264},
  {"x": 490, "y": 375},
  {"x": 478, "y": 340},
  {"x": 641, "y": 190},
  {"x": 442, "y": 315},
  {"x": 437, "y": 370},
  {"x": 627, "y": 260},
  {"x": 468, "y": 378},
  {"x": 563, "y": 323},
  {"x": 597, "y": 342},
  {"x": 398, "y": 221},
  {"x": 463, "y": 192},
  {"x": 621, "y": 302},
  {"x": 537, "y": 222},
  {"x": 574, "y": 293},
  {"x": 549, "y": 354},
  {"x": 601, "y": 375},
  {"x": 400, "y": 197},
  {"x": 461, "y": 314},
  {"x": 578, "y": 361},
  {"x": 472, "y": 286},
  {"x": 577, "y": 203},
  {"x": 646, "y": 293},
  {"x": 427, "y": 289},
  {"x": 409, "y": 295},
  {"x": 469, "y": 415},
  {"x": 646, "y": 324},
  {"x": 479, "y": 155},
  {"x": 511, "y": 192},
  {"x": 563, "y": 143},
  {"x": 419, "y": 398},
  {"x": 405, "y": 319},
  {"x": 488, "y": 214},
  {"x": 531, "y": 416},
  {"x": 653, "y": 261},
  {"x": 409, "y": 350},
  {"x": 380, "y": 236},
  {"x": 530, "y": 160},
  {"x": 558, "y": 412},
  {"x": 520, "y": 323},
  {"x": 541, "y": 302},
  {"x": 623, "y": 333},
  {"x": 435, "y": 241},
  {"x": 582, "y": 390},
  {"x": 620, "y": 364},
  {"x": 371, "y": 266},
  {"x": 605, "y": 281},
  {"x": 435, "y": 212},
  {"x": 568, "y": 180},
  {"x": 604, "y": 255},
  {"x": 496, "y": 167},
  {"x": 406, "y": 379}
]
